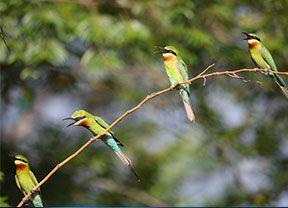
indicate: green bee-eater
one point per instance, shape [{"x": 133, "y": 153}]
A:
[
  {"x": 26, "y": 180},
  {"x": 263, "y": 59},
  {"x": 97, "y": 125},
  {"x": 176, "y": 70}
]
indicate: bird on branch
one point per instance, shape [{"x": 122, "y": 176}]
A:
[
  {"x": 26, "y": 180},
  {"x": 96, "y": 125},
  {"x": 177, "y": 72},
  {"x": 263, "y": 59}
]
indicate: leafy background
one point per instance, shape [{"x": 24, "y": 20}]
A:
[{"x": 99, "y": 56}]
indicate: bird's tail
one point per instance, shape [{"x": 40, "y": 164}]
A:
[
  {"x": 127, "y": 162},
  {"x": 37, "y": 201},
  {"x": 282, "y": 84},
  {"x": 187, "y": 105}
]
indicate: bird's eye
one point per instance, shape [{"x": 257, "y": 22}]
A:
[{"x": 79, "y": 118}]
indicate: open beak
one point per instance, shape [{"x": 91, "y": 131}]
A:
[
  {"x": 247, "y": 36},
  {"x": 69, "y": 118},
  {"x": 160, "y": 49}
]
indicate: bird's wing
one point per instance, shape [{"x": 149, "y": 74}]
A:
[
  {"x": 17, "y": 182},
  {"x": 33, "y": 178},
  {"x": 184, "y": 73},
  {"x": 104, "y": 125},
  {"x": 254, "y": 62},
  {"x": 268, "y": 58},
  {"x": 183, "y": 68},
  {"x": 18, "y": 185},
  {"x": 38, "y": 192}
]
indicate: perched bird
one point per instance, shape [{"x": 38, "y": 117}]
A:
[
  {"x": 263, "y": 59},
  {"x": 26, "y": 180},
  {"x": 176, "y": 70},
  {"x": 97, "y": 125}
]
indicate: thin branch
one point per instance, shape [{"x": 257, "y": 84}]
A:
[
  {"x": 205, "y": 70},
  {"x": 235, "y": 76},
  {"x": 139, "y": 105}
]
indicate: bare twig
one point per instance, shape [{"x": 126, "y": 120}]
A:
[
  {"x": 204, "y": 81},
  {"x": 235, "y": 76},
  {"x": 205, "y": 70},
  {"x": 139, "y": 105}
]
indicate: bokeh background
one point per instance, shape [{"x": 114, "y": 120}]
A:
[{"x": 99, "y": 55}]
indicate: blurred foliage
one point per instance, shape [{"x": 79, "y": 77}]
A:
[
  {"x": 3, "y": 200},
  {"x": 100, "y": 56}
]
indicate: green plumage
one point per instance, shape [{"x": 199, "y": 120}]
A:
[
  {"x": 26, "y": 180},
  {"x": 263, "y": 59},
  {"x": 96, "y": 125},
  {"x": 177, "y": 72}
]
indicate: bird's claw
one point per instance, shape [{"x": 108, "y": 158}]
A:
[
  {"x": 267, "y": 71},
  {"x": 176, "y": 86}
]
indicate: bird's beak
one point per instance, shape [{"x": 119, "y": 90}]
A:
[
  {"x": 160, "y": 49},
  {"x": 247, "y": 35},
  {"x": 69, "y": 118}
]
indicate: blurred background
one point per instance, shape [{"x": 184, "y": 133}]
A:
[{"x": 100, "y": 56}]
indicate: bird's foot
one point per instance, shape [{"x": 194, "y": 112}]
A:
[
  {"x": 177, "y": 86},
  {"x": 267, "y": 71}
]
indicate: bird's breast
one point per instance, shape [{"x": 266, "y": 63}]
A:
[
  {"x": 168, "y": 57},
  {"x": 20, "y": 167},
  {"x": 83, "y": 123},
  {"x": 253, "y": 44}
]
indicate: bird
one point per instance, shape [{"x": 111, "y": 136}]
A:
[
  {"x": 26, "y": 180},
  {"x": 96, "y": 125},
  {"x": 177, "y": 72},
  {"x": 263, "y": 59}
]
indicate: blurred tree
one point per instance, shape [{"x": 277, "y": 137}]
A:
[{"x": 3, "y": 200}]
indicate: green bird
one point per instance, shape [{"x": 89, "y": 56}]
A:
[
  {"x": 177, "y": 72},
  {"x": 263, "y": 59},
  {"x": 96, "y": 125},
  {"x": 26, "y": 180}
]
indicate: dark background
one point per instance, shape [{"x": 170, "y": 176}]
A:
[{"x": 99, "y": 56}]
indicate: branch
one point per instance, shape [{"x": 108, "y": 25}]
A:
[{"x": 138, "y": 106}]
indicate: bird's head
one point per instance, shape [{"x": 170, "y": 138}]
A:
[
  {"x": 168, "y": 52},
  {"x": 79, "y": 118},
  {"x": 251, "y": 38},
  {"x": 20, "y": 161}
]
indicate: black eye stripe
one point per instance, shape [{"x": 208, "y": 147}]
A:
[
  {"x": 256, "y": 38},
  {"x": 173, "y": 52},
  {"x": 170, "y": 51},
  {"x": 21, "y": 160}
]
